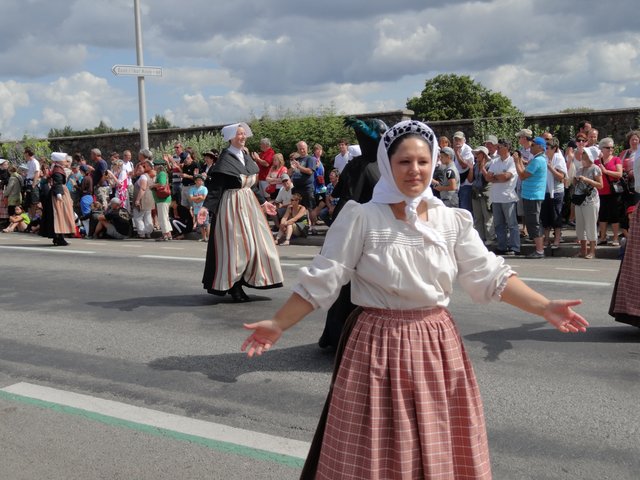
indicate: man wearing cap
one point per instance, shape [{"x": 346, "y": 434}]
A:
[
  {"x": 525, "y": 137},
  {"x": 450, "y": 183},
  {"x": 283, "y": 199},
  {"x": 480, "y": 201},
  {"x": 115, "y": 223},
  {"x": 534, "y": 184},
  {"x": 503, "y": 177},
  {"x": 101, "y": 186},
  {"x": 491, "y": 144},
  {"x": 464, "y": 161}
]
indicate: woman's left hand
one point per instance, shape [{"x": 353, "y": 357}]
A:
[
  {"x": 559, "y": 314},
  {"x": 264, "y": 334}
]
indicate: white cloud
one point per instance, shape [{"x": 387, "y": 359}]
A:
[
  {"x": 12, "y": 96},
  {"x": 224, "y": 62},
  {"x": 81, "y": 101}
]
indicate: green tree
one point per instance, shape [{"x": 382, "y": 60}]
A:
[
  {"x": 454, "y": 97},
  {"x": 159, "y": 122}
]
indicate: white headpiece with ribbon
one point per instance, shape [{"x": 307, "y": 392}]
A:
[
  {"x": 230, "y": 131},
  {"x": 386, "y": 191},
  {"x": 58, "y": 157}
]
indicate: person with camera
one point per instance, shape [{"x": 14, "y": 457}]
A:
[
  {"x": 587, "y": 181},
  {"x": 301, "y": 174}
]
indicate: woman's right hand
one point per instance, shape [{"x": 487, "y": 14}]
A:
[{"x": 264, "y": 335}]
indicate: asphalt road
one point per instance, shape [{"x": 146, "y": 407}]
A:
[{"x": 128, "y": 322}]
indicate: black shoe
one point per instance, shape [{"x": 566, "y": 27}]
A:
[
  {"x": 238, "y": 295},
  {"x": 62, "y": 242}
]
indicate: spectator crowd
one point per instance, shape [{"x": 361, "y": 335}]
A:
[{"x": 525, "y": 192}]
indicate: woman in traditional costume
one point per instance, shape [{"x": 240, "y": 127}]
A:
[
  {"x": 625, "y": 301},
  {"x": 57, "y": 209},
  {"x": 404, "y": 401},
  {"x": 241, "y": 250}
]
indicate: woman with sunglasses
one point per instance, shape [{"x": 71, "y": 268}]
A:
[{"x": 611, "y": 168}]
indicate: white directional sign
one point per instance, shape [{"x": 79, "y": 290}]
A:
[{"x": 137, "y": 71}]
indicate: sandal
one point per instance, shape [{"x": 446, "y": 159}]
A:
[
  {"x": 588, "y": 256},
  {"x": 285, "y": 243}
]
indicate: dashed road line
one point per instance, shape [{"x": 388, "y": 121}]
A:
[{"x": 567, "y": 282}]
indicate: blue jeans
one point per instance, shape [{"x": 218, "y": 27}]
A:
[
  {"x": 505, "y": 221},
  {"x": 464, "y": 198}
]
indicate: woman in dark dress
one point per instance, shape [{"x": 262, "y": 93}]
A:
[
  {"x": 241, "y": 249},
  {"x": 57, "y": 206}
]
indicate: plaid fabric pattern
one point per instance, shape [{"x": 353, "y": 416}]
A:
[
  {"x": 626, "y": 302},
  {"x": 405, "y": 403}
]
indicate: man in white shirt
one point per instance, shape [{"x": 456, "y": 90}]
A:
[
  {"x": 32, "y": 181},
  {"x": 503, "y": 177},
  {"x": 464, "y": 161},
  {"x": 340, "y": 161},
  {"x": 551, "y": 212}
]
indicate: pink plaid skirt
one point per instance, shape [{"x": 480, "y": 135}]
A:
[{"x": 405, "y": 403}]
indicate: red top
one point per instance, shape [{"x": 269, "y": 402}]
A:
[
  {"x": 267, "y": 156},
  {"x": 606, "y": 179}
]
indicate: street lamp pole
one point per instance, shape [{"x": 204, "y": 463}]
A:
[{"x": 142, "y": 103}]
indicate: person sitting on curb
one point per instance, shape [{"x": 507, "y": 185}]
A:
[
  {"x": 18, "y": 221},
  {"x": 294, "y": 222},
  {"x": 115, "y": 222}
]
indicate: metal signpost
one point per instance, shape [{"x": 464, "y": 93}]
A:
[{"x": 139, "y": 71}]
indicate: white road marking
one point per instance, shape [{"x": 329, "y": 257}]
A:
[
  {"x": 192, "y": 259},
  {"x": 165, "y": 257},
  {"x": 51, "y": 249},
  {"x": 567, "y": 282},
  {"x": 167, "y": 421},
  {"x": 578, "y": 269}
]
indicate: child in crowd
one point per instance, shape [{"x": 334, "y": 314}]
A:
[
  {"x": 18, "y": 221},
  {"x": 197, "y": 195},
  {"x": 450, "y": 183},
  {"x": 34, "y": 226}
]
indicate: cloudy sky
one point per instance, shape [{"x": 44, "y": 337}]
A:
[{"x": 225, "y": 61}]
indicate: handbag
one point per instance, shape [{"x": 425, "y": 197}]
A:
[
  {"x": 163, "y": 191},
  {"x": 578, "y": 199}
]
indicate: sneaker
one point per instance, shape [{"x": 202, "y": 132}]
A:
[
  {"x": 602, "y": 242},
  {"x": 554, "y": 246},
  {"x": 511, "y": 253},
  {"x": 535, "y": 255}
]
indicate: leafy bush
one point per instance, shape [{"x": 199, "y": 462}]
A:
[
  {"x": 285, "y": 128},
  {"x": 200, "y": 143},
  {"x": 13, "y": 151}
]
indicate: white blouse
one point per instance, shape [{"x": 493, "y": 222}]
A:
[{"x": 392, "y": 266}]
